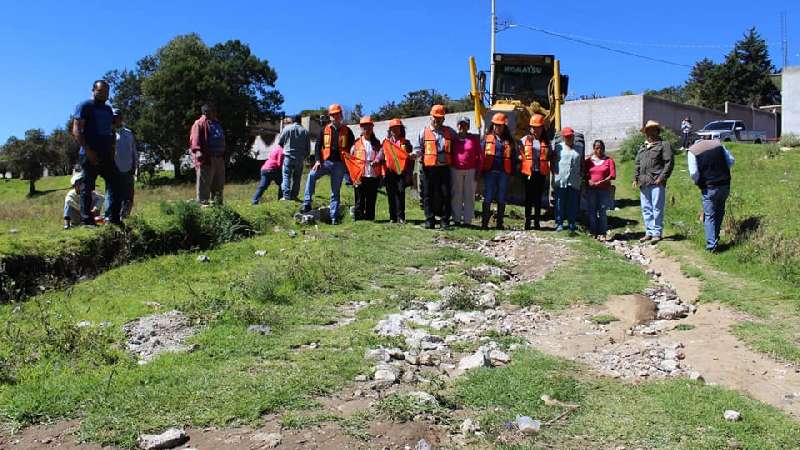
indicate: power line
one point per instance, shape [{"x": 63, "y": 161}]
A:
[{"x": 600, "y": 46}]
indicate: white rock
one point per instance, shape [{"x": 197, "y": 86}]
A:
[
  {"x": 478, "y": 359},
  {"x": 469, "y": 317},
  {"x": 527, "y": 425},
  {"x": 732, "y": 416},
  {"x": 385, "y": 373},
  {"x": 696, "y": 376},
  {"x": 203, "y": 258},
  {"x": 378, "y": 354},
  {"x": 269, "y": 440},
  {"x": 671, "y": 311},
  {"x": 668, "y": 365},
  {"x": 423, "y": 445},
  {"x": 469, "y": 426},
  {"x": 424, "y": 397},
  {"x": 259, "y": 329},
  {"x": 261, "y": 253},
  {"x": 433, "y": 306},
  {"x": 168, "y": 439},
  {"x": 498, "y": 358},
  {"x": 488, "y": 300}
]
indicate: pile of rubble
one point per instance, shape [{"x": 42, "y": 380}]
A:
[
  {"x": 314, "y": 216},
  {"x": 648, "y": 359},
  {"x": 152, "y": 335}
]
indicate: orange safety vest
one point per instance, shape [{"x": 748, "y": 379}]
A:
[
  {"x": 431, "y": 156},
  {"x": 360, "y": 154},
  {"x": 326, "y": 140},
  {"x": 489, "y": 154},
  {"x": 527, "y": 157},
  {"x": 395, "y": 155}
]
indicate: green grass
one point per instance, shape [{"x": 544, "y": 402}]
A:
[
  {"x": 677, "y": 414},
  {"x": 603, "y": 319},
  {"x": 589, "y": 277},
  {"x": 759, "y": 271}
]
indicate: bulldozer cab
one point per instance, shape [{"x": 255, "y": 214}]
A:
[{"x": 524, "y": 78}]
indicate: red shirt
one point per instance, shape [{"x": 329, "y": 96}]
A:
[
  {"x": 600, "y": 170},
  {"x": 466, "y": 152},
  {"x": 274, "y": 160}
]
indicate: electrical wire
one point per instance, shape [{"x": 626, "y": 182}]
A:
[{"x": 591, "y": 44}]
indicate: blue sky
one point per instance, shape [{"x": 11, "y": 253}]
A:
[{"x": 363, "y": 51}]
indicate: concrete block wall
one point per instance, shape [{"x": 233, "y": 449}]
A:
[
  {"x": 608, "y": 118},
  {"x": 790, "y": 92}
]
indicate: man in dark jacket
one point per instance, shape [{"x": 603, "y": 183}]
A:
[
  {"x": 654, "y": 163},
  {"x": 710, "y": 168}
]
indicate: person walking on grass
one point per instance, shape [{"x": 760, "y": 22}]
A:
[
  {"x": 567, "y": 180},
  {"x": 126, "y": 159},
  {"x": 498, "y": 161},
  {"x": 296, "y": 144},
  {"x": 686, "y": 131},
  {"x": 271, "y": 172},
  {"x": 464, "y": 173},
  {"x": 398, "y": 169},
  {"x": 600, "y": 170},
  {"x": 710, "y": 168},
  {"x": 93, "y": 128},
  {"x": 207, "y": 144},
  {"x": 534, "y": 156},
  {"x": 653, "y": 167},
  {"x": 335, "y": 139},
  {"x": 367, "y": 152},
  {"x": 434, "y": 146}
]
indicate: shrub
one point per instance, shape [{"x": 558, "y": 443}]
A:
[
  {"x": 205, "y": 228},
  {"x": 790, "y": 140},
  {"x": 635, "y": 139},
  {"x": 772, "y": 151}
]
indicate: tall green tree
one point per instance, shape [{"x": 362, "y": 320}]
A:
[
  {"x": 418, "y": 103},
  {"x": 162, "y": 97},
  {"x": 63, "y": 149},
  {"x": 29, "y": 156}
]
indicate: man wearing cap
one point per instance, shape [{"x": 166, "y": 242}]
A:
[
  {"x": 433, "y": 146},
  {"x": 126, "y": 158},
  {"x": 654, "y": 163},
  {"x": 93, "y": 128},
  {"x": 709, "y": 164},
  {"x": 296, "y": 144},
  {"x": 334, "y": 139},
  {"x": 398, "y": 169},
  {"x": 72, "y": 207},
  {"x": 464, "y": 172},
  {"x": 534, "y": 156},
  {"x": 567, "y": 180},
  {"x": 207, "y": 144}
]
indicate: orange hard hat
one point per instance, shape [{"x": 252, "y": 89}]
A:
[
  {"x": 537, "y": 120},
  {"x": 499, "y": 119},
  {"x": 567, "y": 132},
  {"x": 366, "y": 120},
  {"x": 395, "y": 123},
  {"x": 438, "y": 111},
  {"x": 335, "y": 109}
]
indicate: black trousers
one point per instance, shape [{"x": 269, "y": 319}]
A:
[
  {"x": 436, "y": 192},
  {"x": 533, "y": 196},
  {"x": 396, "y": 195},
  {"x": 366, "y": 195}
]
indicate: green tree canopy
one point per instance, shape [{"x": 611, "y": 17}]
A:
[
  {"x": 418, "y": 103},
  {"x": 29, "y": 156}
]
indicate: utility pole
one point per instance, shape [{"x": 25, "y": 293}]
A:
[
  {"x": 491, "y": 55},
  {"x": 784, "y": 39}
]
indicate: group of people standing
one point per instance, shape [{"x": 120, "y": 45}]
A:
[{"x": 108, "y": 150}]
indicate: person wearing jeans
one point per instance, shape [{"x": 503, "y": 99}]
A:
[
  {"x": 207, "y": 144},
  {"x": 295, "y": 141},
  {"x": 335, "y": 139},
  {"x": 600, "y": 170},
  {"x": 463, "y": 173},
  {"x": 534, "y": 156},
  {"x": 709, "y": 164},
  {"x": 653, "y": 167},
  {"x": 93, "y": 130},
  {"x": 497, "y": 165},
  {"x": 271, "y": 171},
  {"x": 567, "y": 180}
]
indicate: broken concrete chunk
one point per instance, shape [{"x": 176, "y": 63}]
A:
[{"x": 168, "y": 439}]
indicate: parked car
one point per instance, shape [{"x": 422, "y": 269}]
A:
[{"x": 731, "y": 131}]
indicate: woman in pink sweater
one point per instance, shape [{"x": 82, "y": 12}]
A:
[
  {"x": 271, "y": 171},
  {"x": 599, "y": 172},
  {"x": 464, "y": 172}
]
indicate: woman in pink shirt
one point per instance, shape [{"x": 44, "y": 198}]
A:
[
  {"x": 599, "y": 172},
  {"x": 465, "y": 162},
  {"x": 271, "y": 171}
]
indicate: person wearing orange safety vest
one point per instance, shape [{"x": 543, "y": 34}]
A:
[
  {"x": 334, "y": 139},
  {"x": 397, "y": 172},
  {"x": 497, "y": 166},
  {"x": 534, "y": 157},
  {"x": 367, "y": 148},
  {"x": 433, "y": 147}
]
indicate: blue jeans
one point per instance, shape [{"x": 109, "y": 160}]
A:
[
  {"x": 125, "y": 193},
  {"x": 495, "y": 184},
  {"x": 597, "y": 203},
  {"x": 267, "y": 176},
  {"x": 108, "y": 170},
  {"x": 652, "y": 200},
  {"x": 336, "y": 170},
  {"x": 714, "y": 198},
  {"x": 292, "y": 172},
  {"x": 567, "y": 205}
]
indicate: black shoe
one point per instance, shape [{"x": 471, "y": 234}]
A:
[
  {"x": 536, "y": 225},
  {"x": 528, "y": 225},
  {"x": 445, "y": 224},
  {"x": 486, "y": 214},
  {"x": 501, "y": 214},
  {"x": 429, "y": 225},
  {"x": 305, "y": 209}
]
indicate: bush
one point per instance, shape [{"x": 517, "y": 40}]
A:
[
  {"x": 772, "y": 151},
  {"x": 790, "y": 140},
  {"x": 206, "y": 228},
  {"x": 635, "y": 139}
]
